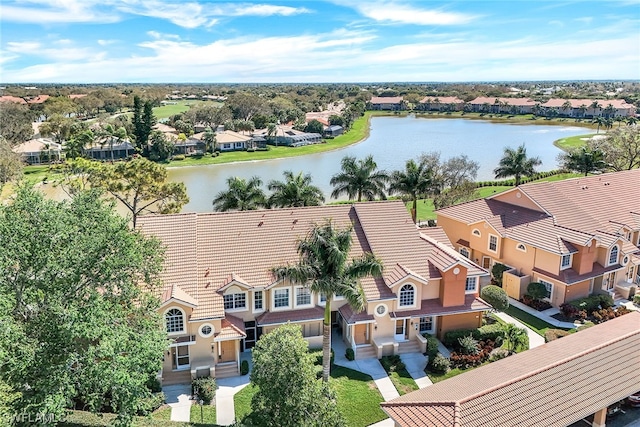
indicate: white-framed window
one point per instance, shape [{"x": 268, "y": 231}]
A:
[
  {"x": 303, "y": 296},
  {"x": 227, "y": 146},
  {"x": 549, "y": 287},
  {"x": 407, "y": 296},
  {"x": 613, "y": 255},
  {"x": 281, "y": 298},
  {"x": 464, "y": 252},
  {"x": 521, "y": 247},
  {"x": 493, "y": 243},
  {"x": 426, "y": 324},
  {"x": 174, "y": 319},
  {"x": 565, "y": 262},
  {"x": 258, "y": 301},
  {"x": 471, "y": 284},
  {"x": 476, "y": 232},
  {"x": 239, "y": 144},
  {"x": 206, "y": 330},
  {"x": 323, "y": 299},
  {"x": 235, "y": 301}
]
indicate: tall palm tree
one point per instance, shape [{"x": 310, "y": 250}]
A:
[
  {"x": 75, "y": 147},
  {"x": 358, "y": 179},
  {"x": 631, "y": 121},
  {"x": 566, "y": 106},
  {"x": 112, "y": 134},
  {"x": 601, "y": 121},
  {"x": 242, "y": 195},
  {"x": 516, "y": 337},
  {"x": 295, "y": 191},
  {"x": 594, "y": 106},
  {"x": 414, "y": 182},
  {"x": 324, "y": 269},
  {"x": 583, "y": 109},
  {"x": 585, "y": 161},
  {"x": 209, "y": 139},
  {"x": 272, "y": 129},
  {"x": 516, "y": 163}
]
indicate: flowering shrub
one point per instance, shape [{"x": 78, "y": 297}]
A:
[{"x": 465, "y": 361}]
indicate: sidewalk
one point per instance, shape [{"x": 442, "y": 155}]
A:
[
  {"x": 178, "y": 397},
  {"x": 542, "y": 315},
  {"x": 227, "y": 388},
  {"x": 535, "y": 340},
  {"x": 415, "y": 364}
]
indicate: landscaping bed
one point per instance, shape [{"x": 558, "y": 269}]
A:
[
  {"x": 597, "y": 308},
  {"x": 398, "y": 374}
]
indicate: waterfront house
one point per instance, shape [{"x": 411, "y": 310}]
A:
[
  {"x": 38, "y": 151},
  {"x": 391, "y": 103},
  {"x": 440, "y": 103}
]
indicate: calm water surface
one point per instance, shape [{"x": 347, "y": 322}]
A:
[{"x": 392, "y": 141}]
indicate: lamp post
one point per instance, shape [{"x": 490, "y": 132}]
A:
[{"x": 200, "y": 402}]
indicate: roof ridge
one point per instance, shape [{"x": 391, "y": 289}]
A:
[{"x": 550, "y": 366}]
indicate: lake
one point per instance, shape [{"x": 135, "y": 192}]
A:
[{"x": 392, "y": 141}]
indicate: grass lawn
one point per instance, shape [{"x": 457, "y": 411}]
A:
[
  {"x": 160, "y": 418},
  {"x": 572, "y": 142},
  {"x": 538, "y": 325},
  {"x": 208, "y": 415},
  {"x": 436, "y": 378},
  {"x": 358, "y": 398},
  {"x": 400, "y": 378}
]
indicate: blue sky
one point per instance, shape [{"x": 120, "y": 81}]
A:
[{"x": 86, "y": 41}]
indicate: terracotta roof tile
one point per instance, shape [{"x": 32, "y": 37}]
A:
[
  {"x": 232, "y": 328},
  {"x": 293, "y": 316},
  {"x": 570, "y": 276},
  {"x": 433, "y": 307},
  {"x": 351, "y": 317},
  {"x": 555, "y": 384}
]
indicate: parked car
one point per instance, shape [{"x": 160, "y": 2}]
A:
[{"x": 634, "y": 400}]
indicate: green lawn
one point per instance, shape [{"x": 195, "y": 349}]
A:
[
  {"x": 208, "y": 415},
  {"x": 160, "y": 418},
  {"x": 538, "y": 325},
  {"x": 400, "y": 378},
  {"x": 572, "y": 142},
  {"x": 357, "y": 396},
  {"x": 436, "y": 378}
]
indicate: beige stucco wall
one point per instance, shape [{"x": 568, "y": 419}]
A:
[
  {"x": 521, "y": 261},
  {"x": 511, "y": 197},
  {"x": 548, "y": 261},
  {"x": 458, "y": 321},
  {"x": 577, "y": 290}
]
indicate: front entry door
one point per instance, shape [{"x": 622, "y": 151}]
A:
[
  {"x": 227, "y": 351},
  {"x": 401, "y": 329},
  {"x": 486, "y": 262},
  {"x": 181, "y": 357},
  {"x": 609, "y": 282}
]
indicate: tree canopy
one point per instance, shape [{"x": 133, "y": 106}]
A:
[
  {"x": 10, "y": 163},
  {"x": 584, "y": 160},
  {"x": 621, "y": 148},
  {"x": 289, "y": 395},
  {"x": 323, "y": 267},
  {"x": 242, "y": 195},
  {"x": 358, "y": 179},
  {"x": 15, "y": 122},
  {"x": 140, "y": 185},
  {"x": 294, "y": 191},
  {"x": 79, "y": 322},
  {"x": 414, "y": 182},
  {"x": 517, "y": 164},
  {"x": 496, "y": 297}
]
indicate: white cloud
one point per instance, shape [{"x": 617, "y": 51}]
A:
[
  {"x": 56, "y": 11},
  {"x": 103, "y": 42},
  {"x": 585, "y": 19},
  {"x": 157, "y": 35},
  {"x": 57, "y": 51},
  {"x": 264, "y": 10},
  {"x": 405, "y": 14}
]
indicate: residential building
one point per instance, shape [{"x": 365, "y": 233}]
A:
[
  {"x": 220, "y": 296},
  {"x": 333, "y": 130},
  {"x": 37, "y": 151},
  {"x": 392, "y": 103},
  {"x": 484, "y": 104},
  {"x": 288, "y": 136},
  {"x": 106, "y": 149},
  {"x": 582, "y": 108},
  {"x": 557, "y": 384},
  {"x": 229, "y": 140},
  {"x": 576, "y": 236},
  {"x": 440, "y": 103},
  {"x": 14, "y": 99}
]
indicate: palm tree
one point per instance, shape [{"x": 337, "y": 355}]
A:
[
  {"x": 358, "y": 179},
  {"x": 111, "y": 133},
  {"x": 324, "y": 269},
  {"x": 414, "y": 182},
  {"x": 75, "y": 147},
  {"x": 585, "y": 161},
  {"x": 583, "y": 109},
  {"x": 242, "y": 195},
  {"x": 566, "y": 106},
  {"x": 271, "y": 132},
  {"x": 209, "y": 139},
  {"x": 295, "y": 191},
  {"x": 601, "y": 121},
  {"x": 516, "y": 163},
  {"x": 631, "y": 121},
  {"x": 595, "y": 105},
  {"x": 516, "y": 337}
]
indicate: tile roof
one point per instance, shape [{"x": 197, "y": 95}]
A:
[
  {"x": 15, "y": 99},
  {"x": 441, "y": 100},
  {"x": 510, "y": 101},
  {"x": 555, "y": 384},
  {"x": 437, "y": 233},
  {"x": 570, "y": 276},
  {"x": 433, "y": 307},
  {"x": 576, "y": 103},
  {"x": 204, "y": 251},
  {"x": 386, "y": 100},
  {"x": 351, "y": 317},
  {"x": 175, "y": 292},
  {"x": 229, "y": 136},
  {"x": 232, "y": 328},
  {"x": 280, "y": 317}
]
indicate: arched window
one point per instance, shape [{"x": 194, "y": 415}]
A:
[
  {"x": 476, "y": 232},
  {"x": 175, "y": 320},
  {"x": 613, "y": 255},
  {"x": 406, "y": 295}
]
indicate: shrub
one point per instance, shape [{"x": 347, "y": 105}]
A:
[
  {"x": 204, "y": 389},
  {"x": 392, "y": 363},
  {"x": 593, "y": 302},
  {"x": 178, "y": 157},
  {"x": 440, "y": 364},
  {"x": 451, "y": 338},
  {"x": 465, "y": 361},
  {"x": 537, "y": 290},
  {"x": 495, "y": 296},
  {"x": 569, "y": 310},
  {"x": 497, "y": 354},
  {"x": 494, "y": 332},
  {"x": 606, "y": 300},
  {"x": 151, "y": 403},
  {"x": 432, "y": 346},
  {"x": 636, "y": 299},
  {"x": 554, "y": 334},
  {"x": 496, "y": 273},
  {"x": 349, "y": 354},
  {"x": 468, "y": 345},
  {"x": 244, "y": 367}
]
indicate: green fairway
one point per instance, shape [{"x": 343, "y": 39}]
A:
[{"x": 573, "y": 142}]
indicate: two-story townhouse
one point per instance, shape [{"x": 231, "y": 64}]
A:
[
  {"x": 220, "y": 296},
  {"x": 576, "y": 236},
  {"x": 390, "y": 103}
]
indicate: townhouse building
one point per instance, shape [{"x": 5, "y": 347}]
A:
[
  {"x": 219, "y": 294},
  {"x": 578, "y": 236}
]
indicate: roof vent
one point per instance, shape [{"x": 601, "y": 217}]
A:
[
  {"x": 584, "y": 187},
  {"x": 206, "y": 273},
  {"x": 260, "y": 223},
  {"x": 295, "y": 221}
]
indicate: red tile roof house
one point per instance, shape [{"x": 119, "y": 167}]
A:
[
  {"x": 581, "y": 108},
  {"x": 578, "y": 236},
  {"x": 483, "y": 104},
  {"x": 556, "y": 384},
  {"x": 392, "y": 103},
  {"x": 219, "y": 294},
  {"x": 440, "y": 103}
]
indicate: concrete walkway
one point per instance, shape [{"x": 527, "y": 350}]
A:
[
  {"x": 535, "y": 340},
  {"x": 227, "y": 388},
  {"x": 178, "y": 397},
  {"x": 543, "y": 315},
  {"x": 415, "y": 364}
]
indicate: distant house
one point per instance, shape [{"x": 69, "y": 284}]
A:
[
  {"x": 333, "y": 130},
  {"x": 286, "y": 135},
  {"x": 38, "y": 99},
  {"x": 14, "y": 99},
  {"x": 102, "y": 150},
  {"x": 392, "y": 103},
  {"x": 229, "y": 140},
  {"x": 486, "y": 104},
  {"x": 582, "y": 108},
  {"x": 193, "y": 145},
  {"x": 38, "y": 151},
  {"x": 440, "y": 103}
]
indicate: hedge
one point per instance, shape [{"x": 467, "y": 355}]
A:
[{"x": 487, "y": 332}]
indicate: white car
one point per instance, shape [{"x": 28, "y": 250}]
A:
[{"x": 634, "y": 400}]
